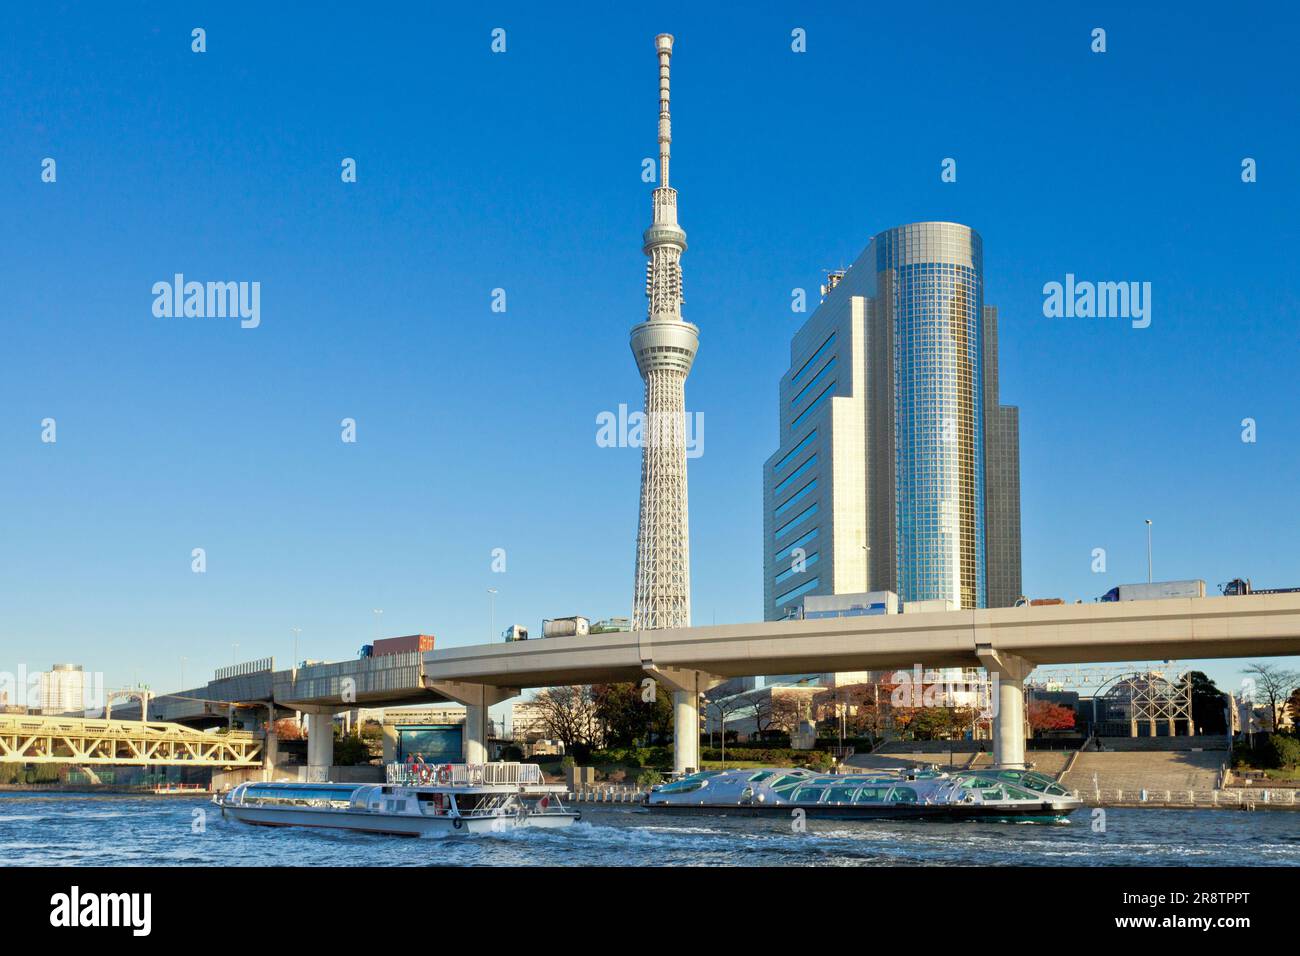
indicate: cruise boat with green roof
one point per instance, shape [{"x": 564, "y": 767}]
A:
[{"x": 894, "y": 794}]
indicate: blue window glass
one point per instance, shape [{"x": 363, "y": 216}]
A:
[
  {"x": 816, "y": 404},
  {"x": 799, "y": 591},
  {"x": 797, "y": 543},
  {"x": 796, "y": 520},
  {"x": 794, "y": 499},
  {"x": 816, "y": 357},
  {"x": 794, "y": 452},
  {"x": 820, "y": 377},
  {"x": 793, "y": 475},
  {"x": 808, "y": 562}
]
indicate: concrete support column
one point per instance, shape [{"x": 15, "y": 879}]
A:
[
  {"x": 686, "y": 731},
  {"x": 687, "y": 687},
  {"x": 1009, "y": 721},
  {"x": 477, "y": 698},
  {"x": 476, "y": 734},
  {"x": 270, "y": 745},
  {"x": 320, "y": 744}
]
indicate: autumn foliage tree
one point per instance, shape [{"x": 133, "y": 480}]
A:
[
  {"x": 1044, "y": 715},
  {"x": 286, "y": 728}
]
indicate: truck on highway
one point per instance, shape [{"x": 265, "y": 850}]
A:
[
  {"x": 402, "y": 645},
  {"x": 1155, "y": 591},
  {"x": 515, "y": 632},
  {"x": 565, "y": 626},
  {"x": 1239, "y": 587}
]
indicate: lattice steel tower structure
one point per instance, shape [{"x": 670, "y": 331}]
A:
[{"x": 664, "y": 346}]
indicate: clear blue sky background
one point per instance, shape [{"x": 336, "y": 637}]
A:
[{"x": 522, "y": 171}]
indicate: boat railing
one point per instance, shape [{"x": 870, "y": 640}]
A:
[{"x": 465, "y": 774}]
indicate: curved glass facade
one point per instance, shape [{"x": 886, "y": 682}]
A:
[{"x": 930, "y": 277}]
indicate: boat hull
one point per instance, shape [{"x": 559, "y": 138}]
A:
[
  {"x": 394, "y": 825},
  {"x": 1034, "y": 813}
]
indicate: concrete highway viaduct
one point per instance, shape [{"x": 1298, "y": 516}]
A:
[{"x": 1008, "y": 642}]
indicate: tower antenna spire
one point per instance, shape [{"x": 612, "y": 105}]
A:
[{"x": 664, "y": 46}]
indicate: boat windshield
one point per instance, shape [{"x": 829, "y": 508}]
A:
[
  {"x": 688, "y": 784},
  {"x": 1032, "y": 780}
]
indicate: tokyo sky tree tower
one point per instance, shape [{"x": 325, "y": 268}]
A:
[{"x": 664, "y": 346}]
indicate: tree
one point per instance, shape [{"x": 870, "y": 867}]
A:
[
  {"x": 1275, "y": 685},
  {"x": 1045, "y": 715},
  {"x": 626, "y": 718},
  {"x": 1208, "y": 704},
  {"x": 723, "y": 708},
  {"x": 349, "y": 751},
  {"x": 568, "y": 714},
  {"x": 784, "y": 711},
  {"x": 865, "y": 712},
  {"x": 286, "y": 728}
]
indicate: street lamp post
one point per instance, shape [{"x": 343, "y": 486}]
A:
[
  {"x": 379, "y": 621},
  {"x": 1148, "y": 550},
  {"x": 492, "y": 613},
  {"x": 296, "y": 632}
]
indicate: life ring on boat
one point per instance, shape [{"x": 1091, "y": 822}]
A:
[
  {"x": 456, "y": 822},
  {"x": 444, "y": 774}
]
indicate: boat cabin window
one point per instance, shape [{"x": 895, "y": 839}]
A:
[
  {"x": 808, "y": 794},
  {"x": 299, "y": 796},
  {"x": 871, "y": 795},
  {"x": 903, "y": 795},
  {"x": 761, "y": 775},
  {"x": 1039, "y": 783},
  {"x": 788, "y": 781},
  {"x": 840, "y": 794}
]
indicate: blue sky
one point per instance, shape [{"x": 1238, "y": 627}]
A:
[{"x": 521, "y": 171}]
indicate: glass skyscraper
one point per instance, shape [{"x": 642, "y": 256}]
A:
[{"x": 898, "y": 470}]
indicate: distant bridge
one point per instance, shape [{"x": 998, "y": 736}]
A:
[{"x": 36, "y": 739}]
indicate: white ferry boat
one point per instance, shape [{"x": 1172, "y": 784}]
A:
[
  {"x": 900, "y": 794},
  {"x": 417, "y": 799}
]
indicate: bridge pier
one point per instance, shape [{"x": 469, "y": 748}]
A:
[
  {"x": 1009, "y": 720},
  {"x": 320, "y": 742},
  {"x": 270, "y": 745},
  {"x": 477, "y": 698},
  {"x": 688, "y": 686}
]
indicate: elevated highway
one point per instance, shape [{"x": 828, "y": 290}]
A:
[{"x": 1009, "y": 642}]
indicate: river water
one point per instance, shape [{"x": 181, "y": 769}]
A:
[{"x": 79, "y": 830}]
